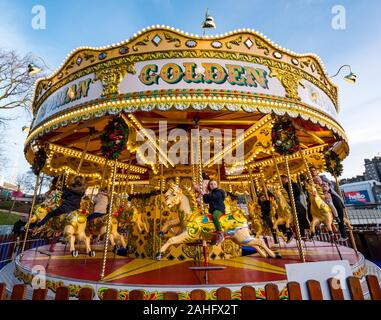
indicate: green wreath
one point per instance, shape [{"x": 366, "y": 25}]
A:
[
  {"x": 284, "y": 137},
  {"x": 114, "y": 139}
]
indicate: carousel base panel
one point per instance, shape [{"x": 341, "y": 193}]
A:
[{"x": 156, "y": 277}]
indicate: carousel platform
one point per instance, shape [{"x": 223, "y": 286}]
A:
[{"x": 155, "y": 277}]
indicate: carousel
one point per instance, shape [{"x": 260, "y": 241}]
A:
[{"x": 148, "y": 119}]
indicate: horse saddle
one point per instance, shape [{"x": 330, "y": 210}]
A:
[{"x": 209, "y": 218}]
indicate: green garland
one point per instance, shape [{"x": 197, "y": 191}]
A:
[
  {"x": 333, "y": 163},
  {"x": 114, "y": 138},
  {"x": 284, "y": 137}
]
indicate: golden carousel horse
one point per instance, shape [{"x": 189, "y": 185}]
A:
[
  {"x": 320, "y": 210},
  {"x": 75, "y": 228},
  {"x": 201, "y": 226},
  {"x": 98, "y": 227},
  {"x": 255, "y": 217},
  {"x": 137, "y": 219},
  {"x": 54, "y": 226},
  {"x": 283, "y": 211}
]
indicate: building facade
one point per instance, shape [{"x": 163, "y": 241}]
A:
[
  {"x": 373, "y": 169},
  {"x": 372, "y": 172}
]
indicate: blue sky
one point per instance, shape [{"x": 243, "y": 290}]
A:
[{"x": 301, "y": 26}]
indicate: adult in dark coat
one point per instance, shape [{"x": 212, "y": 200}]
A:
[
  {"x": 18, "y": 227},
  {"x": 300, "y": 209},
  {"x": 71, "y": 199},
  {"x": 338, "y": 203}
]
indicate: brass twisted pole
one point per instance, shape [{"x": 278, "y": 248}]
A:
[
  {"x": 254, "y": 194},
  {"x": 108, "y": 228},
  {"x": 128, "y": 178},
  {"x": 91, "y": 130},
  {"x": 277, "y": 170},
  {"x": 264, "y": 185},
  {"x": 204, "y": 243},
  {"x": 218, "y": 174},
  {"x": 200, "y": 167},
  {"x": 161, "y": 200},
  {"x": 307, "y": 168},
  {"x": 298, "y": 237}
]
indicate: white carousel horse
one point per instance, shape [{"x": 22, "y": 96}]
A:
[
  {"x": 183, "y": 211},
  {"x": 75, "y": 228},
  {"x": 201, "y": 226}
]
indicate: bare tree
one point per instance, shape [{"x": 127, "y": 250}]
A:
[
  {"x": 3, "y": 155},
  {"x": 27, "y": 181},
  {"x": 16, "y": 85}
]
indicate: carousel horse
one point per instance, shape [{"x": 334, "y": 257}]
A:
[
  {"x": 138, "y": 219},
  {"x": 283, "y": 211},
  {"x": 179, "y": 220},
  {"x": 320, "y": 210},
  {"x": 255, "y": 218},
  {"x": 54, "y": 226},
  {"x": 98, "y": 227},
  {"x": 201, "y": 226},
  {"x": 75, "y": 228}
]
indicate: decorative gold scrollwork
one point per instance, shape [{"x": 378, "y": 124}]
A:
[
  {"x": 289, "y": 81},
  {"x": 88, "y": 56},
  {"x": 143, "y": 42},
  {"x": 237, "y": 42},
  {"x": 111, "y": 77},
  {"x": 262, "y": 45},
  {"x": 265, "y": 131},
  {"x": 171, "y": 38}
]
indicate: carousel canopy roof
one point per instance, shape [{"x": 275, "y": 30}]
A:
[{"x": 239, "y": 80}]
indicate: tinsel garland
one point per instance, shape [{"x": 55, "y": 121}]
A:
[
  {"x": 114, "y": 138},
  {"x": 284, "y": 137}
]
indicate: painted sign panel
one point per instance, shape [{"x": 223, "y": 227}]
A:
[
  {"x": 72, "y": 94},
  {"x": 320, "y": 271},
  {"x": 188, "y": 74},
  {"x": 211, "y": 74},
  {"x": 357, "y": 197},
  {"x": 314, "y": 96}
]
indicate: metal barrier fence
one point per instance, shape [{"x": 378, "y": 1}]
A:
[{"x": 11, "y": 245}]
